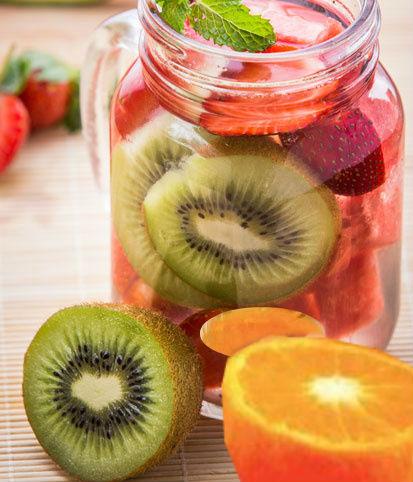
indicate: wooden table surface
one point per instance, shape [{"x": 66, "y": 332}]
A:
[{"x": 54, "y": 243}]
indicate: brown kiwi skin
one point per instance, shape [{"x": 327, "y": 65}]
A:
[
  {"x": 185, "y": 416},
  {"x": 190, "y": 378}
]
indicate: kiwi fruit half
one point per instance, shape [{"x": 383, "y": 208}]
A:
[
  {"x": 137, "y": 164},
  {"x": 110, "y": 390},
  {"x": 245, "y": 229}
]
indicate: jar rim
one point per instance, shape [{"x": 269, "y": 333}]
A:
[{"x": 357, "y": 30}]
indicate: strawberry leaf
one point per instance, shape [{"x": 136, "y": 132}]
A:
[
  {"x": 14, "y": 76},
  {"x": 46, "y": 67},
  {"x": 174, "y": 12},
  {"x": 226, "y": 22},
  {"x": 72, "y": 119},
  {"x": 231, "y": 23}
]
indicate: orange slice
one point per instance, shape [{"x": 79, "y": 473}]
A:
[
  {"x": 232, "y": 330},
  {"x": 318, "y": 410}
]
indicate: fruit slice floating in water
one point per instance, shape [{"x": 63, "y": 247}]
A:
[
  {"x": 344, "y": 152},
  {"x": 236, "y": 114},
  {"x": 135, "y": 104},
  {"x": 137, "y": 164},
  {"x": 110, "y": 390},
  {"x": 244, "y": 229},
  {"x": 296, "y": 25},
  {"x": 272, "y": 112},
  {"x": 352, "y": 298},
  {"x": 312, "y": 410},
  {"x": 214, "y": 363},
  {"x": 233, "y": 330}
]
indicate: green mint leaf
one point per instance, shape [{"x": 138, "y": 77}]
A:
[
  {"x": 228, "y": 22},
  {"x": 174, "y": 12},
  {"x": 14, "y": 75},
  {"x": 72, "y": 118}
]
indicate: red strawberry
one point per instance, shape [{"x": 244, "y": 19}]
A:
[
  {"x": 47, "y": 102},
  {"x": 48, "y": 88},
  {"x": 345, "y": 152},
  {"x": 14, "y": 128},
  {"x": 135, "y": 104}
]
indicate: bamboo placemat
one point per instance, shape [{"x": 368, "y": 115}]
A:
[{"x": 54, "y": 247}]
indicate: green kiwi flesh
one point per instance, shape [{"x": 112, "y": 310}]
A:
[
  {"x": 109, "y": 390},
  {"x": 245, "y": 229},
  {"x": 137, "y": 163}
]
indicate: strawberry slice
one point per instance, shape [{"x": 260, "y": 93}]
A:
[
  {"x": 241, "y": 113},
  {"x": 296, "y": 25},
  {"x": 353, "y": 298},
  {"x": 345, "y": 152},
  {"x": 14, "y": 128},
  {"x": 135, "y": 104}
]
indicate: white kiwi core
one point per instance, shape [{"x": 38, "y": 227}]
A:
[
  {"x": 229, "y": 233},
  {"x": 97, "y": 392}
]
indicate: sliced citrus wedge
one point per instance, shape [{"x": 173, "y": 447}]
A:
[
  {"x": 318, "y": 410},
  {"x": 232, "y": 330}
]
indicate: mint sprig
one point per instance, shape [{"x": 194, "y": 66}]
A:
[
  {"x": 226, "y": 22},
  {"x": 174, "y": 12}
]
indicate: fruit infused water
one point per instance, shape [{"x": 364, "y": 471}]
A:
[{"x": 260, "y": 179}]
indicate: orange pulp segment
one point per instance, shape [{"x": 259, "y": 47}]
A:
[
  {"x": 318, "y": 410},
  {"x": 232, "y": 330}
]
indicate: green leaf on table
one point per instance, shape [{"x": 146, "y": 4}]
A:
[
  {"x": 72, "y": 119},
  {"x": 47, "y": 67},
  {"x": 174, "y": 12},
  {"x": 230, "y": 23},
  {"x": 14, "y": 75}
]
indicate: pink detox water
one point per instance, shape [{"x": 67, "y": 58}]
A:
[{"x": 356, "y": 296}]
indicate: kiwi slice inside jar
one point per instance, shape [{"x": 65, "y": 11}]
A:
[
  {"x": 245, "y": 229},
  {"x": 137, "y": 164},
  {"x": 109, "y": 390}
]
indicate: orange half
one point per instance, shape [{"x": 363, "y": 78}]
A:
[
  {"x": 317, "y": 410},
  {"x": 232, "y": 330}
]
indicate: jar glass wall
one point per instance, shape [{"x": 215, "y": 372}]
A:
[{"x": 259, "y": 180}]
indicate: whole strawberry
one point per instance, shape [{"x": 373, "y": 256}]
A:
[
  {"x": 14, "y": 128},
  {"x": 48, "y": 88},
  {"x": 344, "y": 152}
]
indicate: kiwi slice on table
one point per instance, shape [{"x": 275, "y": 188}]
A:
[
  {"x": 137, "y": 164},
  {"x": 110, "y": 390},
  {"x": 245, "y": 229}
]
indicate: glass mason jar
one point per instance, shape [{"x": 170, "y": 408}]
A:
[{"x": 241, "y": 179}]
